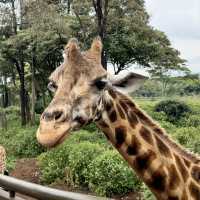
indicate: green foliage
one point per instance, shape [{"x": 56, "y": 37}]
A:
[
  {"x": 77, "y": 159},
  {"x": 192, "y": 120},
  {"x": 146, "y": 193},
  {"x": 173, "y": 109},
  {"x": 193, "y": 89},
  {"x": 26, "y": 144},
  {"x": 20, "y": 142},
  {"x": 188, "y": 137},
  {"x": 53, "y": 163},
  {"x": 11, "y": 112},
  {"x": 39, "y": 107},
  {"x": 10, "y": 163},
  {"x": 91, "y": 127},
  {"x": 92, "y": 137},
  {"x": 80, "y": 157},
  {"x": 108, "y": 175}
]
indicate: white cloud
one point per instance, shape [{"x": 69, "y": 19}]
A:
[{"x": 180, "y": 20}]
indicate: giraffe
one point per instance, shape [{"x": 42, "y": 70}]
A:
[
  {"x": 2, "y": 160},
  {"x": 84, "y": 92}
]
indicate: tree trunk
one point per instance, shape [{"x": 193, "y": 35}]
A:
[
  {"x": 68, "y": 6},
  {"x": 20, "y": 70},
  {"x": 101, "y": 14},
  {"x": 14, "y": 19},
  {"x": 5, "y": 97},
  {"x": 23, "y": 100},
  {"x": 33, "y": 97},
  {"x": 28, "y": 112}
]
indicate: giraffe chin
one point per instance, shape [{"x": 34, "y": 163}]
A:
[{"x": 51, "y": 138}]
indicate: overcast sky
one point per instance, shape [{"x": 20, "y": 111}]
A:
[{"x": 180, "y": 20}]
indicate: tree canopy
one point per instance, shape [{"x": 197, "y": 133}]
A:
[{"x": 32, "y": 40}]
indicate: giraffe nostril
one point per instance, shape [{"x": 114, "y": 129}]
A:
[
  {"x": 57, "y": 115},
  {"x": 49, "y": 116}
]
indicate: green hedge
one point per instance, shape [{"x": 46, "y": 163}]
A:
[
  {"x": 88, "y": 164},
  {"x": 80, "y": 157},
  {"x": 173, "y": 109},
  {"x": 20, "y": 141},
  {"x": 109, "y": 175},
  {"x": 188, "y": 137},
  {"x": 54, "y": 163}
]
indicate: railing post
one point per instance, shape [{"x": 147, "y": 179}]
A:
[{"x": 12, "y": 194}]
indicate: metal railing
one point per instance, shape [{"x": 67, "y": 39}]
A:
[{"x": 40, "y": 192}]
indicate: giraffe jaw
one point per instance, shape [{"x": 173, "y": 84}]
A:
[{"x": 51, "y": 137}]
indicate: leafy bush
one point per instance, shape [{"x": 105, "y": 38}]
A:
[
  {"x": 190, "y": 120},
  {"x": 188, "y": 137},
  {"x": 108, "y": 174},
  {"x": 11, "y": 112},
  {"x": 192, "y": 89},
  {"x": 54, "y": 163},
  {"x": 39, "y": 106},
  {"x": 80, "y": 157},
  {"x": 10, "y": 163},
  {"x": 20, "y": 141},
  {"x": 91, "y": 128},
  {"x": 146, "y": 193},
  {"x": 173, "y": 109},
  {"x": 94, "y": 137},
  {"x": 26, "y": 144}
]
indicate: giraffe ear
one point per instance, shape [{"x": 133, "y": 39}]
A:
[
  {"x": 96, "y": 48},
  {"x": 72, "y": 50},
  {"x": 128, "y": 83}
]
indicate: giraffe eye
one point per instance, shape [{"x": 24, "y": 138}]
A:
[
  {"x": 52, "y": 86},
  {"x": 99, "y": 83}
]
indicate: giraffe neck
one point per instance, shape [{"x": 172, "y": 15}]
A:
[{"x": 169, "y": 171}]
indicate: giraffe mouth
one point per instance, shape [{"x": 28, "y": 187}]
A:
[
  {"x": 61, "y": 139},
  {"x": 52, "y": 137}
]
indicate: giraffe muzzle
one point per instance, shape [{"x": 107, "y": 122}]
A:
[{"x": 50, "y": 134}]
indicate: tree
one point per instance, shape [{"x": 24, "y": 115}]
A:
[{"x": 127, "y": 36}]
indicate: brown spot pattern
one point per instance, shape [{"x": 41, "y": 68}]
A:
[
  {"x": 113, "y": 116},
  {"x": 123, "y": 105},
  {"x": 108, "y": 106},
  {"x": 146, "y": 135},
  {"x": 120, "y": 135},
  {"x": 112, "y": 93},
  {"x": 181, "y": 168},
  {"x": 130, "y": 104},
  {"x": 143, "y": 117},
  {"x": 158, "y": 131},
  {"x": 174, "y": 179},
  {"x": 121, "y": 113},
  {"x": 134, "y": 148},
  {"x": 158, "y": 180},
  {"x": 196, "y": 173},
  {"x": 143, "y": 161},
  {"x": 103, "y": 124},
  {"x": 132, "y": 118},
  {"x": 163, "y": 148},
  {"x": 194, "y": 191}
]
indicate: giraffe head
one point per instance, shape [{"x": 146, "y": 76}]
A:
[{"x": 79, "y": 84}]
